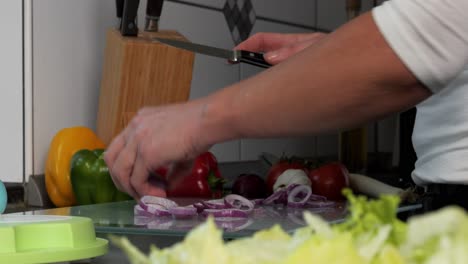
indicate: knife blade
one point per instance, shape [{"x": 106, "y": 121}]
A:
[
  {"x": 153, "y": 13},
  {"x": 233, "y": 56}
]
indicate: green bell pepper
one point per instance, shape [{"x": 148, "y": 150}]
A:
[{"x": 91, "y": 180}]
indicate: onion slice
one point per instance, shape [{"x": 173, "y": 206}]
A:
[
  {"x": 239, "y": 202},
  {"x": 139, "y": 211},
  {"x": 154, "y": 200},
  {"x": 234, "y": 213},
  {"x": 275, "y": 196},
  {"x": 296, "y": 192},
  {"x": 233, "y": 224},
  {"x": 184, "y": 212},
  {"x": 157, "y": 210},
  {"x": 216, "y": 204}
]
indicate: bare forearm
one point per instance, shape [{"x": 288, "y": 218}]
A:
[{"x": 349, "y": 78}]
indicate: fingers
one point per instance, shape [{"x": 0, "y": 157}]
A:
[
  {"x": 279, "y": 55},
  {"x": 142, "y": 181},
  {"x": 265, "y": 42},
  {"x": 120, "y": 157}
]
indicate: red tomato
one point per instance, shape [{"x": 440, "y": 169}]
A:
[
  {"x": 329, "y": 180},
  {"x": 277, "y": 169}
]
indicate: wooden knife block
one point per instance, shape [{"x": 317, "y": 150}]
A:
[{"x": 138, "y": 72}]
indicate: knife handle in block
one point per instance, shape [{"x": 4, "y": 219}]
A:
[
  {"x": 119, "y": 4},
  {"x": 153, "y": 13},
  {"x": 129, "y": 15}
]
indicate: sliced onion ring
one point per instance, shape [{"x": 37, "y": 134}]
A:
[
  {"x": 275, "y": 196},
  {"x": 239, "y": 202},
  {"x": 154, "y": 200},
  {"x": 184, "y": 212},
  {"x": 157, "y": 210},
  {"x": 139, "y": 211},
  {"x": 295, "y": 192},
  {"x": 216, "y": 213},
  {"x": 216, "y": 204},
  {"x": 316, "y": 197}
]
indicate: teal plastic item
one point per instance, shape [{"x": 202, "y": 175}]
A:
[
  {"x": 3, "y": 197},
  {"x": 47, "y": 239}
]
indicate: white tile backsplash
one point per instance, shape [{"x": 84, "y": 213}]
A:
[
  {"x": 294, "y": 11},
  {"x": 209, "y": 74}
]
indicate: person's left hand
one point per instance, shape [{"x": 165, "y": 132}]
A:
[{"x": 167, "y": 136}]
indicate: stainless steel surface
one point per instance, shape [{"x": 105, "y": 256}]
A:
[
  {"x": 36, "y": 194},
  {"x": 231, "y": 55},
  {"x": 152, "y": 24}
]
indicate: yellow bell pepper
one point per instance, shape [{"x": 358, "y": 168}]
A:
[{"x": 57, "y": 170}]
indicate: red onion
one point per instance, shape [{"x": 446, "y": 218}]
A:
[
  {"x": 200, "y": 207},
  {"x": 315, "y": 197},
  {"x": 141, "y": 220},
  {"x": 161, "y": 223},
  {"x": 232, "y": 224},
  {"x": 226, "y": 213},
  {"x": 139, "y": 211},
  {"x": 297, "y": 192},
  {"x": 275, "y": 196},
  {"x": 156, "y": 210},
  {"x": 250, "y": 186},
  {"x": 232, "y": 206},
  {"x": 154, "y": 200},
  {"x": 216, "y": 204},
  {"x": 185, "y": 212},
  {"x": 240, "y": 202}
]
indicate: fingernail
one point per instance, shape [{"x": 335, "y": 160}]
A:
[{"x": 271, "y": 56}]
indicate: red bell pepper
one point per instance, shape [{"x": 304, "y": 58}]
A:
[{"x": 204, "y": 181}]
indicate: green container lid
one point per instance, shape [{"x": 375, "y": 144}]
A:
[{"x": 47, "y": 238}]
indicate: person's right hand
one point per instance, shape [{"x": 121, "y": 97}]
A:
[
  {"x": 169, "y": 136},
  {"x": 278, "y": 47}
]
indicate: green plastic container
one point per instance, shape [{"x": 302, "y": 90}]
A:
[
  {"x": 3, "y": 197},
  {"x": 48, "y": 239}
]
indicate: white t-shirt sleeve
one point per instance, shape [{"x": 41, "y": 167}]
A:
[{"x": 429, "y": 36}]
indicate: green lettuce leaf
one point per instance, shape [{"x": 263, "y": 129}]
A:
[{"x": 437, "y": 237}]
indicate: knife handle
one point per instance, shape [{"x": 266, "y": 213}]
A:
[
  {"x": 254, "y": 58},
  {"x": 119, "y": 7},
  {"x": 129, "y": 23},
  {"x": 119, "y": 4},
  {"x": 153, "y": 12}
]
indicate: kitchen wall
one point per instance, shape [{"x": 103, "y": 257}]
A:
[
  {"x": 11, "y": 99},
  {"x": 68, "y": 43}
]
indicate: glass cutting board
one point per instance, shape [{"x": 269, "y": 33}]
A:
[{"x": 118, "y": 218}]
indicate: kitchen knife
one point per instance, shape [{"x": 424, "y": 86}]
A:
[
  {"x": 153, "y": 13},
  {"x": 233, "y": 56},
  {"x": 119, "y": 10},
  {"x": 129, "y": 15}
]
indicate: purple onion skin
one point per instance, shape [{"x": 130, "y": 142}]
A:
[{"x": 251, "y": 186}]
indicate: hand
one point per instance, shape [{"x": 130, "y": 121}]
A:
[
  {"x": 278, "y": 47},
  {"x": 159, "y": 136}
]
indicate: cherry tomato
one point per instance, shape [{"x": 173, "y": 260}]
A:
[
  {"x": 329, "y": 180},
  {"x": 277, "y": 169}
]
